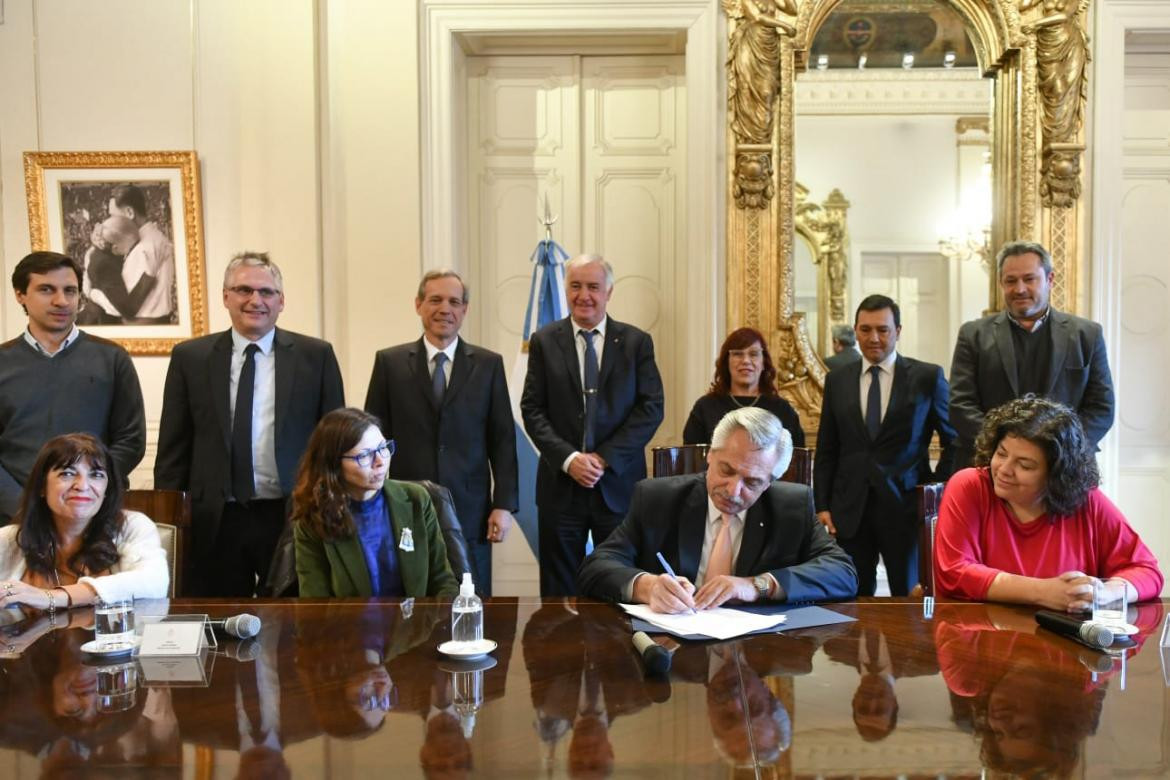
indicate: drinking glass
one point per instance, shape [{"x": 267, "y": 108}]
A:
[
  {"x": 117, "y": 687},
  {"x": 113, "y": 625},
  {"x": 1110, "y": 604}
]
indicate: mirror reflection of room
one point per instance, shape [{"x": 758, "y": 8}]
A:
[{"x": 893, "y": 112}]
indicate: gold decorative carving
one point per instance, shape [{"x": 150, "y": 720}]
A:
[
  {"x": 753, "y": 187},
  {"x": 824, "y": 225}
]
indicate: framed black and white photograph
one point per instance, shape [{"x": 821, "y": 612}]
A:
[{"x": 133, "y": 222}]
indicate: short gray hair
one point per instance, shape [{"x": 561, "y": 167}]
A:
[
  {"x": 1014, "y": 248},
  {"x": 844, "y": 335},
  {"x": 580, "y": 261},
  {"x": 252, "y": 260},
  {"x": 442, "y": 273},
  {"x": 763, "y": 429}
]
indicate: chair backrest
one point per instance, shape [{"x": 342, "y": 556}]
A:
[
  {"x": 171, "y": 512},
  {"x": 449, "y": 525},
  {"x": 800, "y": 470},
  {"x": 929, "y": 498},
  {"x": 679, "y": 459}
]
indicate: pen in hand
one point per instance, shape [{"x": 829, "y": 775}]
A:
[{"x": 670, "y": 571}]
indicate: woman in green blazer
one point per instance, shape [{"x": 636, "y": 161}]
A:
[{"x": 357, "y": 533}]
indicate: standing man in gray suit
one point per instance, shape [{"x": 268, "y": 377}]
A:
[
  {"x": 445, "y": 403},
  {"x": 1028, "y": 348},
  {"x": 238, "y": 409}
]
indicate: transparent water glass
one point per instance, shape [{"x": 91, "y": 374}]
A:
[
  {"x": 1110, "y": 606},
  {"x": 117, "y": 687},
  {"x": 113, "y": 624}
]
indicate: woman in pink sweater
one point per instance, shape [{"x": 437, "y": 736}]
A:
[{"x": 1028, "y": 524}]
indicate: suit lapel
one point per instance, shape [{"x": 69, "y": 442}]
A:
[
  {"x": 851, "y": 378},
  {"x": 411, "y": 563},
  {"x": 422, "y": 373},
  {"x": 898, "y": 390},
  {"x": 221, "y": 384},
  {"x": 751, "y": 545},
  {"x": 1059, "y": 332},
  {"x": 460, "y": 370},
  {"x": 691, "y": 530},
  {"x": 349, "y": 553},
  {"x": 285, "y": 355},
  {"x": 1003, "y": 342},
  {"x": 615, "y": 332},
  {"x": 564, "y": 338}
]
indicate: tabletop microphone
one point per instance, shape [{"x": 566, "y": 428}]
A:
[
  {"x": 1090, "y": 634},
  {"x": 655, "y": 658},
  {"x": 243, "y": 626}
]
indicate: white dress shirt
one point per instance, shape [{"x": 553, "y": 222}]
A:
[
  {"x": 263, "y": 410},
  {"x": 155, "y": 256},
  {"x": 432, "y": 350},
  {"x": 885, "y": 381}
]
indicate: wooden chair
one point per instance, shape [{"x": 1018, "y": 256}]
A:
[
  {"x": 679, "y": 459},
  {"x": 929, "y": 497},
  {"x": 171, "y": 512},
  {"x": 800, "y": 470}
]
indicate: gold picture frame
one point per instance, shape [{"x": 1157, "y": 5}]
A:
[{"x": 69, "y": 211}]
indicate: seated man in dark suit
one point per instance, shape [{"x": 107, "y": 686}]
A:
[{"x": 733, "y": 532}]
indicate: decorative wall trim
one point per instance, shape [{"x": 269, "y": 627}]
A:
[{"x": 834, "y": 93}]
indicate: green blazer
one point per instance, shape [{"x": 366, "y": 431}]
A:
[{"x": 338, "y": 567}]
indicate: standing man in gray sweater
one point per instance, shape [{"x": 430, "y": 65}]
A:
[{"x": 56, "y": 379}]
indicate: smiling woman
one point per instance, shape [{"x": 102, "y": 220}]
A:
[{"x": 72, "y": 542}]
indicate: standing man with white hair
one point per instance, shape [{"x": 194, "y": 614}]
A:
[
  {"x": 732, "y": 532},
  {"x": 592, "y": 401},
  {"x": 233, "y": 430}
]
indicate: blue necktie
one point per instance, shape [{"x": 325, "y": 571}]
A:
[
  {"x": 591, "y": 378},
  {"x": 439, "y": 379},
  {"x": 873, "y": 403}
]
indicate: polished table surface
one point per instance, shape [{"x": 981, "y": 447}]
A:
[{"x": 347, "y": 688}]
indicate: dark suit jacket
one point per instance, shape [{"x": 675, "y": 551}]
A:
[
  {"x": 848, "y": 462},
  {"x": 781, "y": 535},
  {"x": 843, "y": 358},
  {"x": 629, "y": 410},
  {"x": 195, "y": 433},
  {"x": 983, "y": 375},
  {"x": 453, "y": 445}
]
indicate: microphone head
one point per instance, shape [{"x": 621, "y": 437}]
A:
[
  {"x": 1097, "y": 635},
  {"x": 242, "y": 626},
  {"x": 656, "y": 660}
]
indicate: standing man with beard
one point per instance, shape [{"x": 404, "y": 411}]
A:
[{"x": 1028, "y": 348}]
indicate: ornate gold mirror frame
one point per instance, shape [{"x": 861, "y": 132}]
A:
[
  {"x": 1036, "y": 51},
  {"x": 823, "y": 226}
]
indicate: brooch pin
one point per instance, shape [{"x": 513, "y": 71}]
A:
[{"x": 407, "y": 541}]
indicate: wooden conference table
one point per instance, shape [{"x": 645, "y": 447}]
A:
[{"x": 349, "y": 688}]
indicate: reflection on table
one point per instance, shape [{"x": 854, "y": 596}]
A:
[{"x": 347, "y": 687}]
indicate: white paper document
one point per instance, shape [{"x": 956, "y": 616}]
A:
[{"x": 716, "y": 623}]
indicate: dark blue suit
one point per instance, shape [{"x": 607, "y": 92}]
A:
[{"x": 868, "y": 483}]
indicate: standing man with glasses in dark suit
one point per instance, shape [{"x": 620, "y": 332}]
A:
[
  {"x": 446, "y": 403},
  {"x": 873, "y": 447},
  {"x": 238, "y": 409},
  {"x": 592, "y": 401}
]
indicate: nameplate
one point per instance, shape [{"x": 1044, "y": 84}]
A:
[{"x": 171, "y": 638}]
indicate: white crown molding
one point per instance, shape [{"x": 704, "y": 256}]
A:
[{"x": 934, "y": 91}]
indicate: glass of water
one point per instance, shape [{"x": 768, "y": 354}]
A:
[
  {"x": 117, "y": 687},
  {"x": 114, "y": 624},
  {"x": 1109, "y": 604}
]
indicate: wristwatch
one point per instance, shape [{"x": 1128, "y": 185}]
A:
[{"x": 763, "y": 585}]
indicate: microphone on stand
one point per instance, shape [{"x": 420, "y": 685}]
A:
[
  {"x": 243, "y": 626},
  {"x": 1086, "y": 632},
  {"x": 655, "y": 658}
]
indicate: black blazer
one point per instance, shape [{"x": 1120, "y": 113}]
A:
[
  {"x": 629, "y": 410},
  {"x": 983, "y": 375},
  {"x": 781, "y": 535},
  {"x": 195, "y": 433},
  {"x": 848, "y": 462},
  {"x": 453, "y": 445}
]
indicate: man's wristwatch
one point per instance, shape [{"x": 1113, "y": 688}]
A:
[{"x": 763, "y": 586}]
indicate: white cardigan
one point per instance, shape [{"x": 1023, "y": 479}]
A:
[{"x": 140, "y": 573}]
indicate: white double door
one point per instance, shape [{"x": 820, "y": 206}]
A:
[{"x": 604, "y": 139}]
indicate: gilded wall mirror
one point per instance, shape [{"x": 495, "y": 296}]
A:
[
  {"x": 1015, "y": 76},
  {"x": 820, "y": 263}
]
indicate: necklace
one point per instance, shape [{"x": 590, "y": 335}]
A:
[{"x": 755, "y": 400}]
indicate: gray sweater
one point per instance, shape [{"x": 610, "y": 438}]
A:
[{"x": 90, "y": 386}]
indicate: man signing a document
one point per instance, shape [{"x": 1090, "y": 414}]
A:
[{"x": 732, "y": 534}]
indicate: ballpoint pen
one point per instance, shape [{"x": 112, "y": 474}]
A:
[{"x": 670, "y": 571}]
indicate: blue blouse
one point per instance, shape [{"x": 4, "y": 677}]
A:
[{"x": 376, "y": 534}]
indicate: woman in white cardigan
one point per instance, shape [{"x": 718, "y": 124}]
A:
[{"x": 71, "y": 542}]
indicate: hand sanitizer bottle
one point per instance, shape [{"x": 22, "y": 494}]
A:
[{"x": 467, "y": 613}]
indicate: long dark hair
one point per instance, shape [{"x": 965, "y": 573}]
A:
[
  {"x": 37, "y": 536},
  {"x": 320, "y": 500},
  {"x": 1055, "y": 429},
  {"x": 742, "y": 339}
]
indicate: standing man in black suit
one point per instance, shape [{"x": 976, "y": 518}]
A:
[
  {"x": 592, "y": 401},
  {"x": 873, "y": 447},
  {"x": 1028, "y": 348},
  {"x": 238, "y": 409},
  {"x": 445, "y": 402}
]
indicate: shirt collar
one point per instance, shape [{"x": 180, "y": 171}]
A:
[
  {"x": 240, "y": 342},
  {"x": 432, "y": 350},
  {"x": 1035, "y": 325},
  {"x": 600, "y": 327},
  {"x": 714, "y": 515},
  {"x": 32, "y": 342},
  {"x": 887, "y": 365}
]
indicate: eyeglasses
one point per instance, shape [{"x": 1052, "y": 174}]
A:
[
  {"x": 244, "y": 291},
  {"x": 745, "y": 354},
  {"x": 366, "y": 457}
]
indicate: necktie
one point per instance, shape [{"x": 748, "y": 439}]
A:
[
  {"x": 243, "y": 476},
  {"x": 873, "y": 403},
  {"x": 591, "y": 377},
  {"x": 719, "y": 562},
  {"x": 439, "y": 379}
]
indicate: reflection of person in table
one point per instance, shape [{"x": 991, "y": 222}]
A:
[
  {"x": 109, "y": 303},
  {"x": 149, "y": 269}
]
